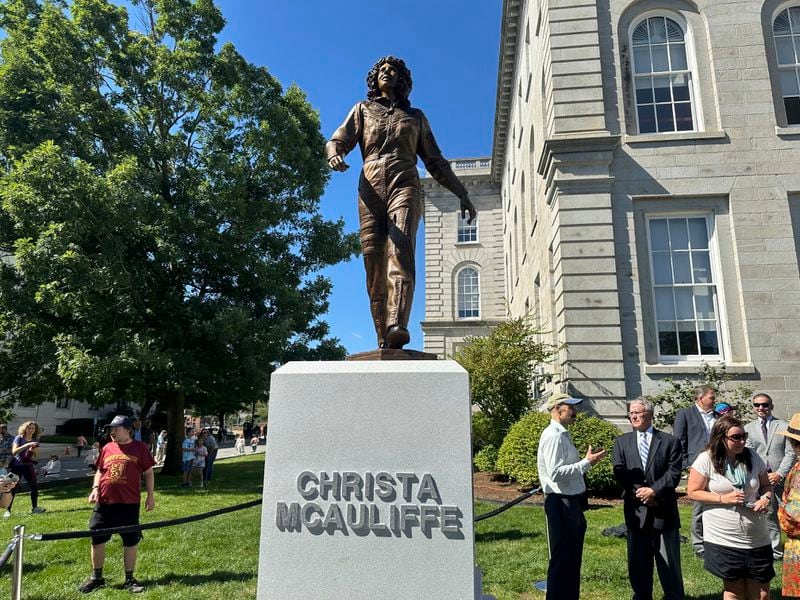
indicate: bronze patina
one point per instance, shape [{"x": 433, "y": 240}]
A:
[{"x": 391, "y": 134}]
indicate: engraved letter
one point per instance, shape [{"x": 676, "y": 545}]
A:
[
  {"x": 428, "y": 490},
  {"x": 288, "y": 518},
  {"x": 311, "y": 507},
  {"x": 451, "y": 523},
  {"x": 385, "y": 486},
  {"x": 352, "y": 484},
  {"x": 375, "y": 519},
  {"x": 330, "y": 485},
  {"x": 304, "y": 478},
  {"x": 407, "y": 479},
  {"x": 334, "y": 519},
  {"x": 428, "y": 518}
]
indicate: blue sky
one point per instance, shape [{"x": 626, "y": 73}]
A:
[{"x": 327, "y": 48}]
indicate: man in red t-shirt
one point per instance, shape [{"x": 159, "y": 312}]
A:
[{"x": 116, "y": 493}]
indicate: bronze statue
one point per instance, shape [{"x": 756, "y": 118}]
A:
[{"x": 391, "y": 134}]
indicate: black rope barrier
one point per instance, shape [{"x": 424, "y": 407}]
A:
[
  {"x": 507, "y": 505},
  {"x": 68, "y": 535},
  {"x": 12, "y": 545}
]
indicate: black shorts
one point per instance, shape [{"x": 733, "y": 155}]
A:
[
  {"x": 106, "y": 516},
  {"x": 732, "y": 564}
]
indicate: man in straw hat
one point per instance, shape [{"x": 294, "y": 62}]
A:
[{"x": 561, "y": 472}]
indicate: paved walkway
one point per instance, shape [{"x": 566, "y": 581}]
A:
[{"x": 73, "y": 467}]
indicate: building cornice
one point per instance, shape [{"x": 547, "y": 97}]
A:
[{"x": 509, "y": 39}]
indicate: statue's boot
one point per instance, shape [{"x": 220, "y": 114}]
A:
[{"x": 397, "y": 337}]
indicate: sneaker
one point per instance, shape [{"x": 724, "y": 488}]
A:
[
  {"x": 7, "y": 514},
  {"x": 91, "y": 585},
  {"x": 133, "y": 586},
  {"x": 38, "y": 510}
]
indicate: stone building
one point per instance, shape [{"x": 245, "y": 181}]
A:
[{"x": 646, "y": 155}]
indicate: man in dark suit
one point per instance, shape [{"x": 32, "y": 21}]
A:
[
  {"x": 693, "y": 427},
  {"x": 647, "y": 464}
]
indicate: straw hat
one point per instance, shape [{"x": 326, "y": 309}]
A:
[{"x": 793, "y": 431}]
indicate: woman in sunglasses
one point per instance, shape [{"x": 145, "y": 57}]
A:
[{"x": 732, "y": 483}]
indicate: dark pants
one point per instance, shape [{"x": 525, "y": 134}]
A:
[
  {"x": 649, "y": 546},
  {"x": 28, "y": 473},
  {"x": 209, "y": 468},
  {"x": 79, "y": 449},
  {"x": 566, "y": 527}
]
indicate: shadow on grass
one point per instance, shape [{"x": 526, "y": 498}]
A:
[
  {"x": 506, "y": 536},
  {"x": 192, "y": 580}
]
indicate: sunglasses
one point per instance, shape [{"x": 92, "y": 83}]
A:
[
  {"x": 737, "y": 437},
  {"x": 761, "y": 404}
]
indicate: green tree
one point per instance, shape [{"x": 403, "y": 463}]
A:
[
  {"x": 679, "y": 393},
  {"x": 159, "y": 224},
  {"x": 501, "y": 369}
]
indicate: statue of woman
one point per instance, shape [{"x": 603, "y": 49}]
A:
[{"x": 391, "y": 134}]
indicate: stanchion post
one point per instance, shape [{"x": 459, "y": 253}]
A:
[{"x": 16, "y": 581}]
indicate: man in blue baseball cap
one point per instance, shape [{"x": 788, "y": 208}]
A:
[
  {"x": 561, "y": 472},
  {"x": 116, "y": 494}
]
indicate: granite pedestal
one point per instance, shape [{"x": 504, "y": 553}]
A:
[{"x": 368, "y": 483}]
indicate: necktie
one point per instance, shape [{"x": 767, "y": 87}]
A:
[
  {"x": 764, "y": 429},
  {"x": 644, "y": 448}
]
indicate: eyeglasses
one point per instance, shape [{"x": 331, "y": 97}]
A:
[
  {"x": 737, "y": 437},
  {"x": 761, "y": 404}
]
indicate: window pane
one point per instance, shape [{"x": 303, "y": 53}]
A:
[
  {"x": 701, "y": 267},
  {"x": 661, "y": 88},
  {"x": 792, "y": 106},
  {"x": 789, "y": 82},
  {"x": 667, "y": 339},
  {"x": 665, "y": 304},
  {"x": 680, "y": 87},
  {"x": 658, "y": 32},
  {"x": 680, "y": 267},
  {"x": 658, "y": 234},
  {"x": 678, "y": 234},
  {"x": 794, "y": 17},
  {"x": 664, "y": 117},
  {"x": 684, "y": 307},
  {"x": 677, "y": 55},
  {"x": 709, "y": 344},
  {"x": 698, "y": 234},
  {"x": 647, "y": 118},
  {"x": 785, "y": 50},
  {"x": 641, "y": 59},
  {"x": 704, "y": 302},
  {"x": 660, "y": 60},
  {"x": 781, "y": 24},
  {"x": 642, "y": 37},
  {"x": 683, "y": 116},
  {"x": 674, "y": 31},
  {"x": 662, "y": 269},
  {"x": 687, "y": 339},
  {"x": 644, "y": 90}
]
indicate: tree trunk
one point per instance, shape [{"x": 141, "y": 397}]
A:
[
  {"x": 221, "y": 417},
  {"x": 146, "y": 407},
  {"x": 176, "y": 431}
]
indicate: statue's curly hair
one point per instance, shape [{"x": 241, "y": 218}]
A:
[{"x": 403, "y": 88}]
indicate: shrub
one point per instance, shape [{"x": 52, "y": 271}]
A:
[
  {"x": 517, "y": 455},
  {"x": 484, "y": 432},
  {"x": 486, "y": 458}
]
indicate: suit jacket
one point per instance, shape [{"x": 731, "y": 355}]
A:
[
  {"x": 691, "y": 430},
  {"x": 777, "y": 452},
  {"x": 662, "y": 473}
]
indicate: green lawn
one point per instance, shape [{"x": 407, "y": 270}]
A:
[{"x": 217, "y": 558}]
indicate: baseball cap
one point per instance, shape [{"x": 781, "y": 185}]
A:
[
  {"x": 121, "y": 421},
  {"x": 722, "y": 407},
  {"x": 560, "y": 398}
]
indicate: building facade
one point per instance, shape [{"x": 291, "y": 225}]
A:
[{"x": 646, "y": 154}]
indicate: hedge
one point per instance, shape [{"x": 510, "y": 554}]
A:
[
  {"x": 517, "y": 455},
  {"x": 486, "y": 458}
]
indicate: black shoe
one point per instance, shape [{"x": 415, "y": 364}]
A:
[
  {"x": 397, "y": 337},
  {"x": 91, "y": 585},
  {"x": 777, "y": 556},
  {"x": 133, "y": 586}
]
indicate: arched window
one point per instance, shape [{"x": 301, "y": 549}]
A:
[
  {"x": 786, "y": 31},
  {"x": 468, "y": 294},
  {"x": 662, "y": 76}
]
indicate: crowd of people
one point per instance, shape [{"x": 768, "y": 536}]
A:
[{"x": 742, "y": 478}]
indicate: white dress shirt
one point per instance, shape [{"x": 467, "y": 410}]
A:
[{"x": 560, "y": 466}]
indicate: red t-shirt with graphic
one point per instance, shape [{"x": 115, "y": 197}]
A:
[{"x": 121, "y": 468}]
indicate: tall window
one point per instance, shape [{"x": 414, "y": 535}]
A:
[
  {"x": 786, "y": 31},
  {"x": 684, "y": 288},
  {"x": 467, "y": 232},
  {"x": 62, "y": 403},
  {"x": 469, "y": 295},
  {"x": 662, "y": 79}
]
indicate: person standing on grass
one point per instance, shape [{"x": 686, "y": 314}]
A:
[
  {"x": 239, "y": 444},
  {"x": 116, "y": 494},
  {"x": 647, "y": 465},
  {"x": 188, "y": 458},
  {"x": 25, "y": 453},
  {"x": 199, "y": 462},
  {"x": 6, "y": 441},
  {"x": 210, "y": 442},
  {"x": 561, "y": 472},
  {"x": 80, "y": 444}
]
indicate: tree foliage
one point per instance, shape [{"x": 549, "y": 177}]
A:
[
  {"x": 159, "y": 224},
  {"x": 501, "y": 367},
  {"x": 679, "y": 393}
]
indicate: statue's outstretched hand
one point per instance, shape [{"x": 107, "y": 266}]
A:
[
  {"x": 337, "y": 163},
  {"x": 468, "y": 207}
]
